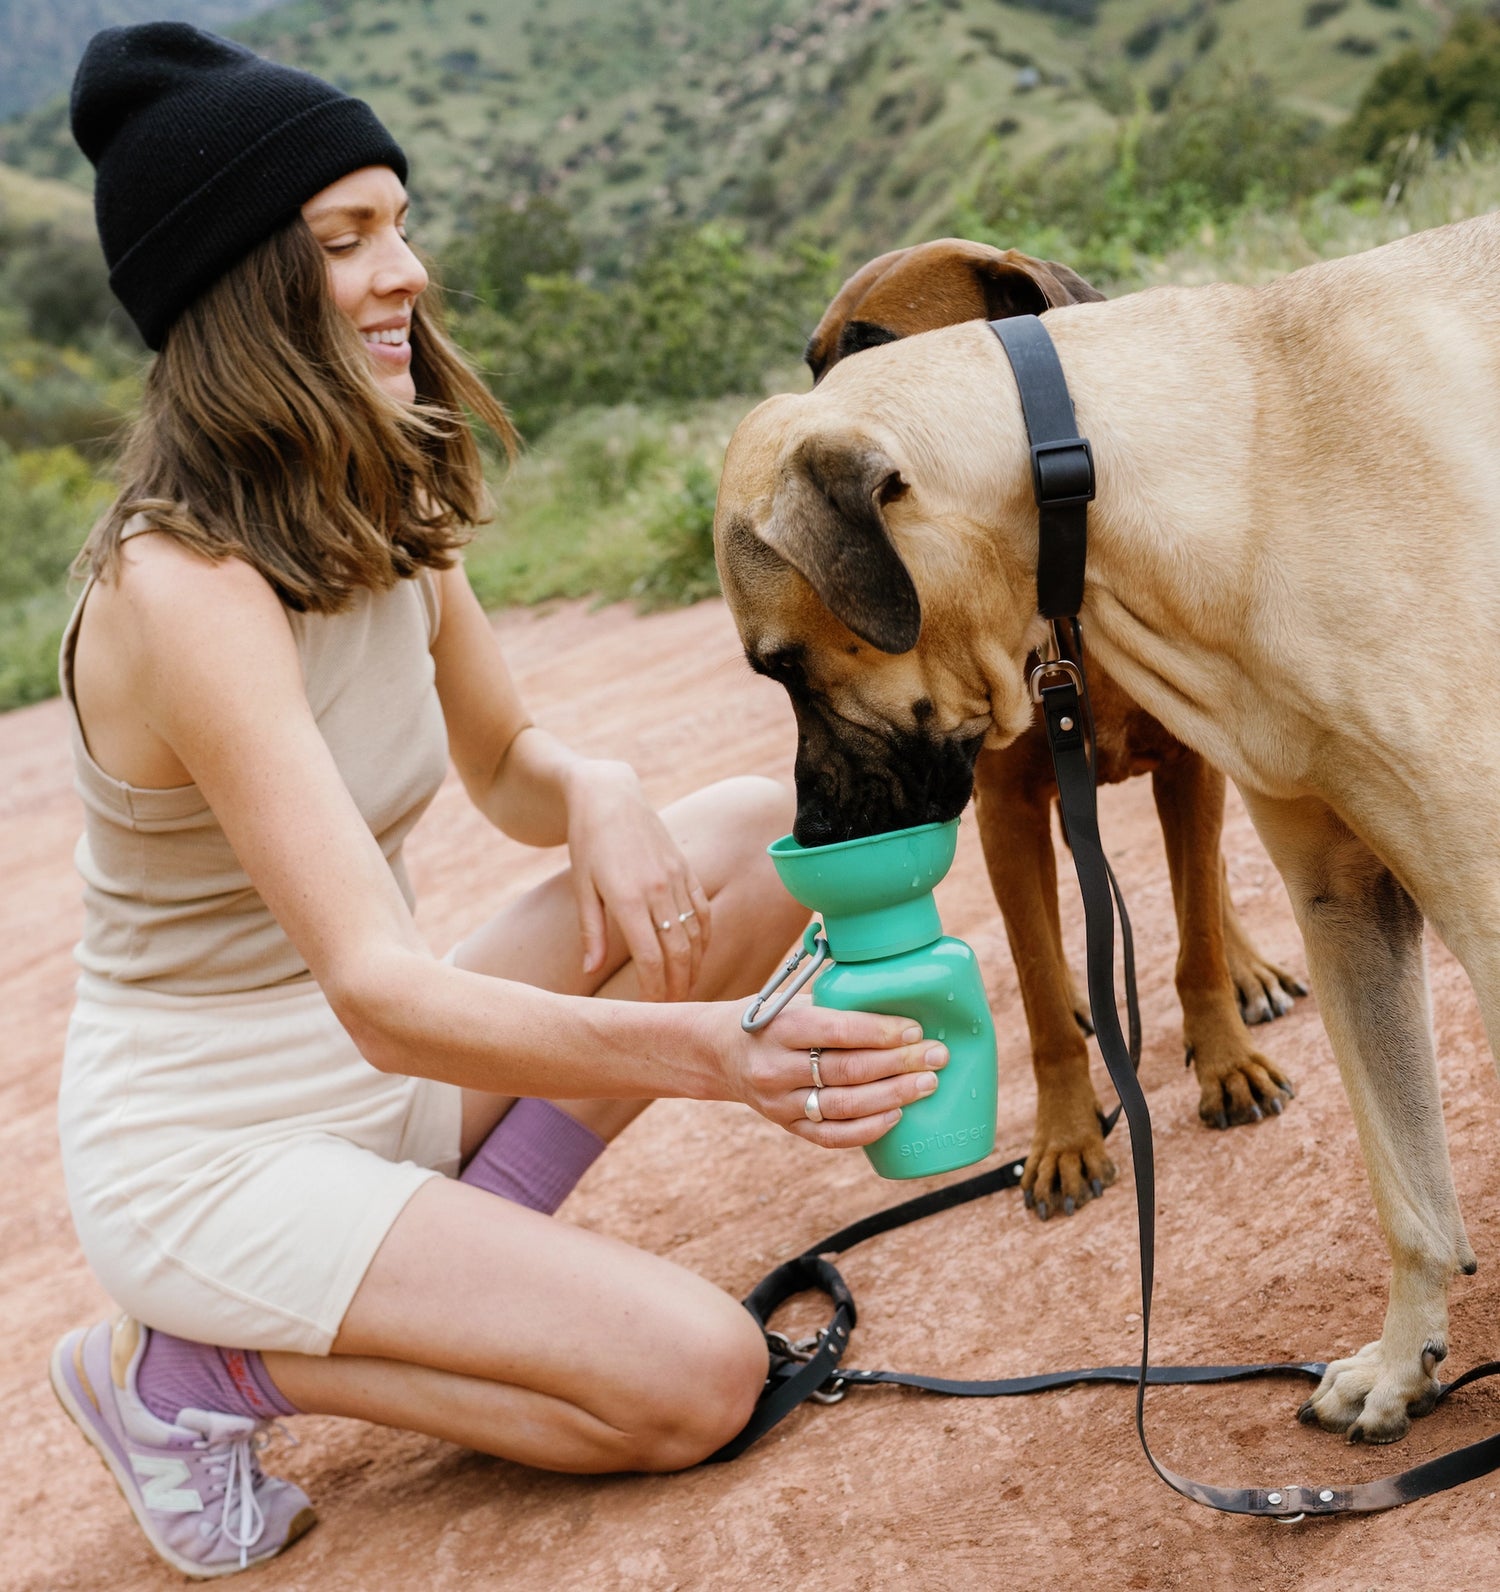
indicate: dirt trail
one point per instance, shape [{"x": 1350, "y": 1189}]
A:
[{"x": 1266, "y": 1240}]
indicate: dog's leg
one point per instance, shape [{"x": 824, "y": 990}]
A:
[
  {"x": 1235, "y": 1082},
  {"x": 1363, "y": 934},
  {"x": 1265, "y": 991},
  {"x": 1067, "y": 1163}
]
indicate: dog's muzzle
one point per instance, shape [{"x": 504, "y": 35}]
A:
[{"x": 853, "y": 781}]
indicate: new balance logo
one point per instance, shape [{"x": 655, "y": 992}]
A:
[{"x": 161, "y": 1484}]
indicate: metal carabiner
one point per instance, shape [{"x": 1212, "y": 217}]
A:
[
  {"x": 802, "y": 1350},
  {"x": 1052, "y": 666},
  {"x": 755, "y": 1019}
]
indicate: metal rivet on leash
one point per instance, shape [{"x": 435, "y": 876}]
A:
[
  {"x": 1066, "y": 724},
  {"x": 1273, "y": 1498},
  {"x": 1326, "y": 1496}
]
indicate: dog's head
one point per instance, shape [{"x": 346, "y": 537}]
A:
[
  {"x": 850, "y": 551},
  {"x": 856, "y": 542},
  {"x": 937, "y": 284}
]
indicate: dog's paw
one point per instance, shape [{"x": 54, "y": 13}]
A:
[
  {"x": 1264, "y": 990},
  {"x": 1237, "y": 1085},
  {"x": 1373, "y": 1396},
  {"x": 1068, "y": 1165}
]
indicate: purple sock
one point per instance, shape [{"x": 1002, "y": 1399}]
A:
[
  {"x": 176, "y": 1374},
  {"x": 534, "y": 1155}
]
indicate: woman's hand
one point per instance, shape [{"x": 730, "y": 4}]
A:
[
  {"x": 870, "y": 1066},
  {"x": 625, "y": 864}
]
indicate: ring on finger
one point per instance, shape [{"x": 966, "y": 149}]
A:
[
  {"x": 813, "y": 1056},
  {"x": 811, "y": 1108},
  {"x": 682, "y": 917},
  {"x": 665, "y": 925}
]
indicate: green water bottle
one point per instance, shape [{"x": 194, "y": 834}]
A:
[{"x": 882, "y": 934}]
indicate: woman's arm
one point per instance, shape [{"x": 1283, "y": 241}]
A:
[
  {"x": 208, "y": 658},
  {"x": 539, "y": 791}
]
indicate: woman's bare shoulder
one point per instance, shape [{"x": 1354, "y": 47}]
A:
[
  {"x": 157, "y": 569},
  {"x": 169, "y": 633}
]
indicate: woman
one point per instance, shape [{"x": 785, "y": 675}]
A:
[{"x": 270, "y": 1082}]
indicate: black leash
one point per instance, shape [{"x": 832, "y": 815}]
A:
[{"x": 1063, "y": 479}]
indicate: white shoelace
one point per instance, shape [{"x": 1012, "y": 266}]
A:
[
  {"x": 241, "y": 1518},
  {"x": 240, "y": 1501}
]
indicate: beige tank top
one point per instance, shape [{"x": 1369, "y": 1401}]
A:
[{"x": 166, "y": 904}]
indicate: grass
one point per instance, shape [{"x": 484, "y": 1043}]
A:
[
  {"x": 1259, "y": 245},
  {"x": 615, "y": 503}
]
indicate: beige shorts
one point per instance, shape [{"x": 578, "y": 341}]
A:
[{"x": 233, "y": 1162}]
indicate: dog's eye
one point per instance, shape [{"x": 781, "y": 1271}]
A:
[
  {"x": 860, "y": 335},
  {"x": 784, "y": 665}
]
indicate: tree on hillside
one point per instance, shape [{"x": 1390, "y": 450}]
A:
[
  {"x": 508, "y": 246},
  {"x": 1448, "y": 94}
]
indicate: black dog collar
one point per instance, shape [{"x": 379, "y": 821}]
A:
[{"x": 1062, "y": 465}]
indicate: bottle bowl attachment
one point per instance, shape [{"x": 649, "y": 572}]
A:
[{"x": 875, "y": 893}]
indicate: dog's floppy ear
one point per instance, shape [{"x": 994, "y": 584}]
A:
[
  {"x": 826, "y": 522},
  {"x": 1015, "y": 284},
  {"x": 823, "y": 344}
]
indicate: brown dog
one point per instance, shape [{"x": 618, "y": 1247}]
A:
[{"x": 1220, "y": 976}]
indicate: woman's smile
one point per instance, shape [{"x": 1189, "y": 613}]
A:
[{"x": 360, "y": 222}]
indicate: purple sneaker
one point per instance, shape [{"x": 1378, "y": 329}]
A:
[{"x": 196, "y": 1487}]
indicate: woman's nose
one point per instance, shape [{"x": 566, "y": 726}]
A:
[{"x": 400, "y": 272}]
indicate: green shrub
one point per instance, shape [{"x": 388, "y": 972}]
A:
[
  {"x": 508, "y": 246},
  {"x": 612, "y": 503},
  {"x": 699, "y": 315},
  {"x": 682, "y": 539},
  {"x": 30, "y": 636},
  {"x": 48, "y": 500},
  {"x": 1154, "y": 181},
  {"x": 1447, "y": 95}
]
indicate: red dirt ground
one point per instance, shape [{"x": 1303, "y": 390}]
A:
[{"x": 1267, "y": 1246}]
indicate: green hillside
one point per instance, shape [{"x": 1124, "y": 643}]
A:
[
  {"x": 642, "y": 208},
  {"x": 856, "y": 123},
  {"x": 40, "y": 40}
]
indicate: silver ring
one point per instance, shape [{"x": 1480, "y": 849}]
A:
[
  {"x": 811, "y": 1109},
  {"x": 664, "y": 925},
  {"x": 682, "y": 917},
  {"x": 812, "y": 1057}
]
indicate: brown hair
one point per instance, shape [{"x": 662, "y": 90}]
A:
[{"x": 263, "y": 434}]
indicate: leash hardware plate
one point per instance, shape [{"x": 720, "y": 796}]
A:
[
  {"x": 1285, "y": 1494},
  {"x": 755, "y": 1018},
  {"x": 1072, "y": 478},
  {"x": 1053, "y": 666}
]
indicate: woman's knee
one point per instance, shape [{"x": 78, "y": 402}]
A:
[
  {"x": 710, "y": 1381},
  {"x": 738, "y": 818}
]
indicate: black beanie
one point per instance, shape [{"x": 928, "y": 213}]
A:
[{"x": 202, "y": 149}]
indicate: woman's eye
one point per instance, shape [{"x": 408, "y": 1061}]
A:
[{"x": 341, "y": 245}]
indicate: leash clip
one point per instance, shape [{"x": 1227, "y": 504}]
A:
[
  {"x": 755, "y": 1018},
  {"x": 802, "y": 1350}
]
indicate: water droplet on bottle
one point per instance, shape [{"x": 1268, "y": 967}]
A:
[
  {"x": 950, "y": 994},
  {"x": 973, "y": 1094},
  {"x": 974, "y": 1026},
  {"x": 940, "y": 1033},
  {"x": 916, "y": 880}
]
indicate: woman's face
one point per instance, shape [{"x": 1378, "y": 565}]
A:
[{"x": 360, "y": 224}]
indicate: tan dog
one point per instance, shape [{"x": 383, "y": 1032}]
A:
[
  {"x": 1220, "y": 976},
  {"x": 1298, "y": 516}
]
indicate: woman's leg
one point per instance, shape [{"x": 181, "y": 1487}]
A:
[
  {"x": 499, "y": 1329},
  {"x": 509, "y": 1332}
]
